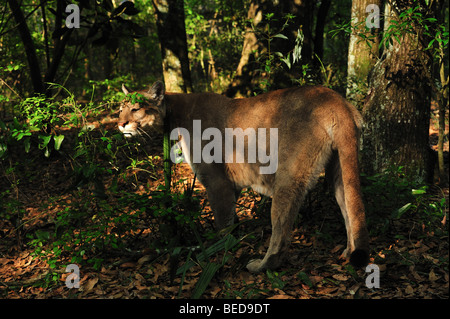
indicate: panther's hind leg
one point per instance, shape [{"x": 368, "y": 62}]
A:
[{"x": 285, "y": 205}]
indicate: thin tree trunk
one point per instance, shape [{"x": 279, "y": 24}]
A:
[
  {"x": 320, "y": 26},
  {"x": 443, "y": 100},
  {"x": 44, "y": 25},
  {"x": 248, "y": 75},
  {"x": 59, "y": 43},
  {"x": 443, "y": 105},
  {"x": 362, "y": 54},
  {"x": 241, "y": 84},
  {"x": 170, "y": 21},
  {"x": 30, "y": 50}
]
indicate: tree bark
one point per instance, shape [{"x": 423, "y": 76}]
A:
[
  {"x": 320, "y": 27},
  {"x": 170, "y": 22},
  {"x": 362, "y": 55},
  {"x": 397, "y": 110},
  {"x": 443, "y": 99},
  {"x": 30, "y": 50},
  {"x": 60, "y": 42}
]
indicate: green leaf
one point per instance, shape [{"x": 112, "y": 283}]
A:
[
  {"x": 205, "y": 278},
  {"x": 281, "y": 36},
  {"x": 304, "y": 278},
  {"x": 269, "y": 15},
  {"x": 2, "y": 125},
  {"x": 27, "y": 145},
  {"x": 58, "y": 140},
  {"x": 419, "y": 191},
  {"x": 3, "y": 150},
  {"x": 402, "y": 210},
  {"x": 230, "y": 242},
  {"x": 430, "y": 44},
  {"x": 45, "y": 140},
  {"x": 224, "y": 243},
  {"x": 20, "y": 134},
  {"x": 47, "y": 152},
  {"x": 287, "y": 61}
]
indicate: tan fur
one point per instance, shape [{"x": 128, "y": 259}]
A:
[{"x": 317, "y": 129}]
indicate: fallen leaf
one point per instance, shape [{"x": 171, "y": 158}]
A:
[
  {"x": 99, "y": 291},
  {"x": 337, "y": 248},
  {"x": 90, "y": 284},
  {"x": 315, "y": 279},
  {"x": 327, "y": 290},
  {"x": 157, "y": 271},
  {"x": 281, "y": 297},
  {"x": 432, "y": 276},
  {"x": 215, "y": 291},
  {"x": 409, "y": 290},
  {"x": 4, "y": 261},
  {"x": 128, "y": 265},
  {"x": 416, "y": 275},
  {"x": 117, "y": 296},
  {"x": 143, "y": 260},
  {"x": 140, "y": 287},
  {"x": 341, "y": 277},
  {"x": 305, "y": 287},
  {"x": 398, "y": 293},
  {"x": 139, "y": 277},
  {"x": 430, "y": 258}
]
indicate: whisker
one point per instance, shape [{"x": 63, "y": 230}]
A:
[{"x": 142, "y": 131}]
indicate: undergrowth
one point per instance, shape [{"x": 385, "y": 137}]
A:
[{"x": 106, "y": 209}]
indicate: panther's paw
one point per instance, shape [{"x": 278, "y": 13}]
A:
[{"x": 255, "y": 265}]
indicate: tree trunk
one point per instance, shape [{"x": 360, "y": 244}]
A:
[
  {"x": 241, "y": 86},
  {"x": 362, "y": 54},
  {"x": 30, "y": 50},
  {"x": 170, "y": 21},
  {"x": 320, "y": 27},
  {"x": 443, "y": 105},
  {"x": 60, "y": 41},
  {"x": 397, "y": 110},
  {"x": 248, "y": 73},
  {"x": 443, "y": 99}
]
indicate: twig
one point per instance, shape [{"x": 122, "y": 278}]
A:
[{"x": 9, "y": 87}]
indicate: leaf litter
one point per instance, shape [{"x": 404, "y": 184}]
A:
[{"x": 413, "y": 261}]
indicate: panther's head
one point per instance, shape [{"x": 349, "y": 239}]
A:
[{"x": 141, "y": 111}]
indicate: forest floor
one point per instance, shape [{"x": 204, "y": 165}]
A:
[{"x": 410, "y": 249}]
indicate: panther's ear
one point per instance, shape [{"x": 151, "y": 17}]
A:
[
  {"x": 125, "y": 89},
  {"x": 157, "y": 91},
  {"x": 156, "y": 94}
]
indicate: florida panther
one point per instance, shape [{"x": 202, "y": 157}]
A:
[{"x": 317, "y": 129}]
